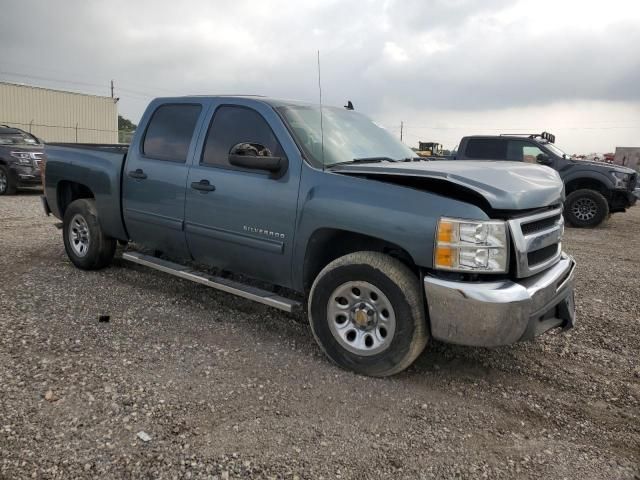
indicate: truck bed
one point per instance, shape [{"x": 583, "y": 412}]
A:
[{"x": 95, "y": 167}]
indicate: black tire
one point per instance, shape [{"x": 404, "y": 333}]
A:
[
  {"x": 100, "y": 248},
  {"x": 586, "y": 208},
  {"x": 402, "y": 290},
  {"x": 7, "y": 183}
]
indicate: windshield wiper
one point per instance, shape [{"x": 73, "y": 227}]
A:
[{"x": 366, "y": 160}]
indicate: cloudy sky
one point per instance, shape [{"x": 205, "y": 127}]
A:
[{"x": 446, "y": 68}]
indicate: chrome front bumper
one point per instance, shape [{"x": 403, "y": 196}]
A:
[{"x": 489, "y": 314}]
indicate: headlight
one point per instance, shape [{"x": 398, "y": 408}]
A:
[
  {"x": 24, "y": 158},
  {"x": 471, "y": 246},
  {"x": 620, "y": 179}
]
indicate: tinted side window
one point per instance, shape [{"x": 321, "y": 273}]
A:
[
  {"x": 232, "y": 125},
  {"x": 170, "y": 131},
  {"x": 486, "y": 149}
]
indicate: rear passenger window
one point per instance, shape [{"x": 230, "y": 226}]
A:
[
  {"x": 232, "y": 125},
  {"x": 170, "y": 131},
  {"x": 486, "y": 149}
]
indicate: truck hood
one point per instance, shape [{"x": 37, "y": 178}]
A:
[
  {"x": 605, "y": 167},
  {"x": 504, "y": 185}
]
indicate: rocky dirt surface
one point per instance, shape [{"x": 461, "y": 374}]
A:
[{"x": 186, "y": 382}]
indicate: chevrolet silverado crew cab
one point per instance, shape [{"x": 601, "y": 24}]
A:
[
  {"x": 21, "y": 157},
  {"x": 386, "y": 250},
  {"x": 593, "y": 189}
]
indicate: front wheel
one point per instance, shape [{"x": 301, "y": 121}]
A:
[
  {"x": 367, "y": 314},
  {"x": 86, "y": 245},
  {"x": 586, "y": 208},
  {"x": 7, "y": 185}
]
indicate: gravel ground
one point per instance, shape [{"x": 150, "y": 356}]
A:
[{"x": 224, "y": 388}]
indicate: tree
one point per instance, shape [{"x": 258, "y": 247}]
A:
[{"x": 126, "y": 125}]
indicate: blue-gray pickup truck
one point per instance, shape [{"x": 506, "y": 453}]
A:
[{"x": 386, "y": 249}]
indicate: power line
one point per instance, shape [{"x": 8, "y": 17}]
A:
[
  {"x": 130, "y": 91},
  {"x": 37, "y": 77}
]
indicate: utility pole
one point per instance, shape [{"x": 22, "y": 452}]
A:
[
  {"x": 401, "y": 128},
  {"x": 111, "y": 88}
]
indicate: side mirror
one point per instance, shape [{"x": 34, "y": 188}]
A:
[
  {"x": 254, "y": 156},
  {"x": 543, "y": 159}
]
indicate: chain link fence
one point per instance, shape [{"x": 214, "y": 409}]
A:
[{"x": 72, "y": 133}]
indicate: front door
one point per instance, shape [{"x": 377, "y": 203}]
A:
[
  {"x": 243, "y": 220},
  {"x": 524, "y": 151},
  {"x": 155, "y": 176}
]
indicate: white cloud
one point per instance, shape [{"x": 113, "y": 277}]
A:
[{"x": 394, "y": 54}]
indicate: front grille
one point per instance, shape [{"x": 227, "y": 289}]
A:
[
  {"x": 542, "y": 255},
  {"x": 536, "y": 240},
  {"x": 539, "y": 225}
]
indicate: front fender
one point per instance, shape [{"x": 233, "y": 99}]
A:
[
  {"x": 400, "y": 215},
  {"x": 583, "y": 174}
]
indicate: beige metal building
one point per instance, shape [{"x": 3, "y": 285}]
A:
[{"x": 59, "y": 116}]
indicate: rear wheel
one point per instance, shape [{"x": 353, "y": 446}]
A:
[
  {"x": 586, "y": 208},
  {"x": 367, "y": 314},
  {"x": 86, "y": 245},
  {"x": 7, "y": 184}
]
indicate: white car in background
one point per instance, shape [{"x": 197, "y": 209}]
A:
[{"x": 594, "y": 157}]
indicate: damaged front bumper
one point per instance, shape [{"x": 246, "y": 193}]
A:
[{"x": 490, "y": 314}]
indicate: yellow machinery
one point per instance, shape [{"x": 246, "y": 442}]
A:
[{"x": 429, "y": 149}]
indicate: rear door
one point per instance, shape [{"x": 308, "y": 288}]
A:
[
  {"x": 155, "y": 176},
  {"x": 243, "y": 220}
]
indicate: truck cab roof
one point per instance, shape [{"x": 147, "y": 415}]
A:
[{"x": 272, "y": 101}]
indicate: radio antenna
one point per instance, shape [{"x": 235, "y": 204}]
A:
[{"x": 321, "y": 126}]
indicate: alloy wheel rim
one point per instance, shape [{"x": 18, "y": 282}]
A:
[
  {"x": 584, "y": 209},
  {"x": 79, "y": 236},
  {"x": 361, "y": 318}
]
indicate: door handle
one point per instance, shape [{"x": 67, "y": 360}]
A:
[
  {"x": 203, "y": 186},
  {"x": 138, "y": 174}
]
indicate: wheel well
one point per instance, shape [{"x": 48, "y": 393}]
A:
[
  {"x": 327, "y": 244},
  {"x": 588, "y": 183},
  {"x": 68, "y": 191}
]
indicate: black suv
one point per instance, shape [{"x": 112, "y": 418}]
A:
[
  {"x": 594, "y": 190},
  {"x": 21, "y": 160}
]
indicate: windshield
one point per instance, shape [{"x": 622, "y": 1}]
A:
[
  {"x": 555, "y": 150},
  {"x": 348, "y": 136},
  {"x": 16, "y": 138}
]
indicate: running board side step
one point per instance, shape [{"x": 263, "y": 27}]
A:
[{"x": 236, "y": 288}]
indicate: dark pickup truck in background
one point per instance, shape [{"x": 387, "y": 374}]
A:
[
  {"x": 21, "y": 157},
  {"x": 594, "y": 190},
  {"x": 386, "y": 249}
]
